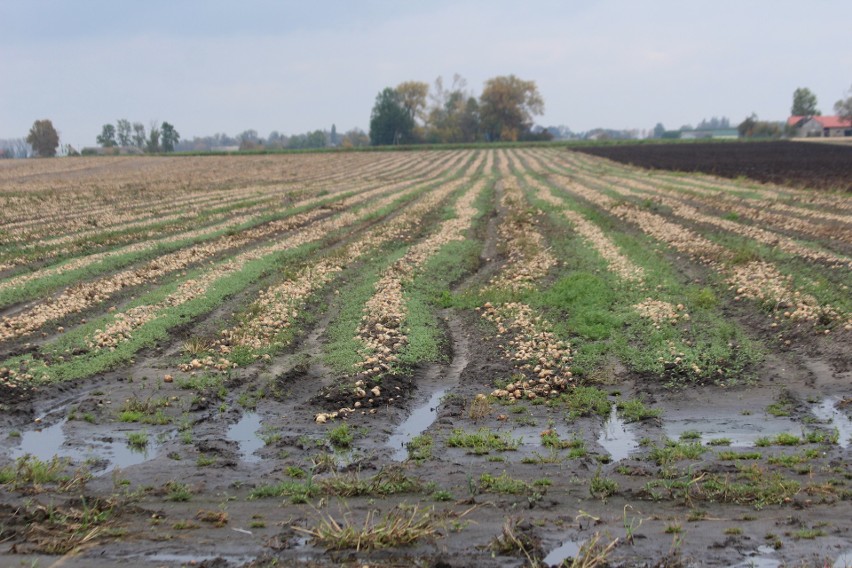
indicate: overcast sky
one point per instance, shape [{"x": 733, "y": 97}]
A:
[{"x": 210, "y": 66}]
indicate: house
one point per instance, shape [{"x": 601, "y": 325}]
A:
[{"x": 819, "y": 126}]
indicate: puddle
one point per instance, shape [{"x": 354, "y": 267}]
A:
[
  {"x": 568, "y": 549},
  {"x": 425, "y": 414},
  {"x": 760, "y": 559},
  {"x": 835, "y": 418},
  {"x": 417, "y": 423},
  {"x": 617, "y": 437},
  {"x": 192, "y": 560},
  {"x": 46, "y": 443},
  {"x": 244, "y": 433},
  {"x": 742, "y": 430},
  {"x": 758, "y": 562}
]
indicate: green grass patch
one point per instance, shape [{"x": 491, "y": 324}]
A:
[
  {"x": 586, "y": 401},
  {"x": 503, "y": 484},
  {"x": 634, "y": 410},
  {"x": 483, "y": 441},
  {"x": 420, "y": 448},
  {"x": 673, "y": 451}
]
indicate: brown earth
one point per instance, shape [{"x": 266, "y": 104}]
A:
[
  {"x": 653, "y": 517},
  {"x": 798, "y": 164}
]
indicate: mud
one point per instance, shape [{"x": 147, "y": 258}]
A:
[
  {"x": 815, "y": 166},
  {"x": 194, "y": 497},
  {"x": 563, "y": 515}
]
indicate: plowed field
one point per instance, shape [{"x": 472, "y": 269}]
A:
[
  {"x": 800, "y": 164},
  {"x": 525, "y": 357}
]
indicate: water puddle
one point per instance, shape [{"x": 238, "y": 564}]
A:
[
  {"x": 113, "y": 450},
  {"x": 617, "y": 437},
  {"x": 844, "y": 560},
  {"x": 191, "y": 559},
  {"x": 828, "y": 412},
  {"x": 45, "y": 443},
  {"x": 418, "y": 421},
  {"x": 741, "y": 429},
  {"x": 758, "y": 562},
  {"x": 568, "y": 549},
  {"x": 245, "y": 433},
  {"x": 760, "y": 559},
  {"x": 425, "y": 414}
]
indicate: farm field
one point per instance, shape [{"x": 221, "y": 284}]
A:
[
  {"x": 497, "y": 357},
  {"x": 801, "y": 163}
]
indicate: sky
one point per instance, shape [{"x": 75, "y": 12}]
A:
[{"x": 209, "y": 66}]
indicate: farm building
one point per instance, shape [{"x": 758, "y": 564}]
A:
[{"x": 820, "y": 126}]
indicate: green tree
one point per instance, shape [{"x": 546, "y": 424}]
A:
[
  {"x": 43, "y": 138},
  {"x": 153, "y": 144},
  {"x": 355, "y": 138},
  {"x": 659, "y": 130},
  {"x": 507, "y": 107},
  {"x": 139, "y": 136},
  {"x": 169, "y": 137},
  {"x": 124, "y": 132},
  {"x": 107, "y": 136},
  {"x": 843, "y": 107},
  {"x": 804, "y": 103},
  {"x": 470, "y": 122},
  {"x": 751, "y": 127},
  {"x": 390, "y": 122},
  {"x": 746, "y": 127}
]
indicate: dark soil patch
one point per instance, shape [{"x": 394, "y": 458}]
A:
[{"x": 799, "y": 164}]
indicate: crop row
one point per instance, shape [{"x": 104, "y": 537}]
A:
[
  {"x": 585, "y": 274},
  {"x": 758, "y": 279}
]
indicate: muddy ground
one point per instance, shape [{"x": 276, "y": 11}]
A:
[
  {"x": 194, "y": 494},
  {"x": 186, "y": 499},
  {"x": 798, "y": 164}
]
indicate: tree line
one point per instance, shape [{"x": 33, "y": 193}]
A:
[
  {"x": 123, "y": 134},
  {"x": 412, "y": 113}
]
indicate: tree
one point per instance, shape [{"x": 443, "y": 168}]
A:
[
  {"x": 412, "y": 96},
  {"x": 470, "y": 121},
  {"x": 107, "y": 136},
  {"x": 449, "y": 117},
  {"x": 804, "y": 103},
  {"x": 153, "y": 144},
  {"x": 355, "y": 138},
  {"x": 276, "y": 140},
  {"x": 843, "y": 107},
  {"x": 507, "y": 106},
  {"x": 390, "y": 122},
  {"x": 169, "y": 137},
  {"x": 315, "y": 139},
  {"x": 751, "y": 127},
  {"x": 249, "y": 139},
  {"x": 659, "y": 130},
  {"x": 43, "y": 138},
  {"x": 124, "y": 131},
  {"x": 139, "y": 136},
  {"x": 332, "y": 138},
  {"x": 15, "y": 148}
]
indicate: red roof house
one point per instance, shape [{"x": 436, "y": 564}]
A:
[{"x": 825, "y": 126}]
